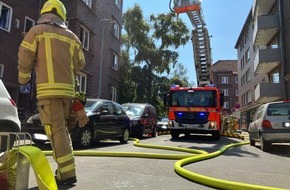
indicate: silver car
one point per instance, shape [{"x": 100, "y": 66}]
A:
[
  {"x": 9, "y": 120},
  {"x": 271, "y": 124}
]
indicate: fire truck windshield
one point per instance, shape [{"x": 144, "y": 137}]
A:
[{"x": 193, "y": 98}]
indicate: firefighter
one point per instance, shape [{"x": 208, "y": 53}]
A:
[{"x": 55, "y": 53}]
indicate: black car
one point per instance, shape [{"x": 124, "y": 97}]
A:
[
  {"x": 107, "y": 120},
  {"x": 143, "y": 118}
]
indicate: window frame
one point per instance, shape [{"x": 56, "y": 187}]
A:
[
  {"x": 1, "y": 70},
  {"x": 88, "y": 3},
  {"x": 8, "y": 17},
  {"x": 116, "y": 30},
  {"x": 115, "y": 61},
  {"x": 82, "y": 80},
  {"x": 25, "y": 23},
  {"x": 225, "y": 80},
  {"x": 113, "y": 93},
  {"x": 85, "y": 37}
]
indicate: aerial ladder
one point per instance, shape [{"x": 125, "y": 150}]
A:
[{"x": 200, "y": 38}]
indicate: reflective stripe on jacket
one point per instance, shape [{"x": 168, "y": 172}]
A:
[{"x": 56, "y": 55}]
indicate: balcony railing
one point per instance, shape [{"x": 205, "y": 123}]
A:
[
  {"x": 266, "y": 60},
  {"x": 266, "y": 26},
  {"x": 268, "y": 92}
]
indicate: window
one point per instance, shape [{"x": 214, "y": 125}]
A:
[
  {"x": 226, "y": 105},
  {"x": 115, "y": 61},
  {"x": 116, "y": 30},
  {"x": 28, "y": 24},
  {"x": 248, "y": 75},
  {"x": 236, "y": 80},
  {"x": 237, "y": 92},
  {"x": 85, "y": 38},
  {"x": 247, "y": 55},
  {"x": 275, "y": 78},
  {"x": 118, "y": 3},
  {"x": 248, "y": 97},
  {"x": 1, "y": 70},
  {"x": 88, "y": 2},
  {"x": 225, "y": 80},
  {"x": 226, "y": 92},
  {"x": 82, "y": 82},
  {"x": 114, "y": 93},
  {"x": 5, "y": 17}
]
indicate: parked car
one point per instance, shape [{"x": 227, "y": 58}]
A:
[
  {"x": 107, "y": 120},
  {"x": 143, "y": 119},
  {"x": 271, "y": 124},
  {"x": 162, "y": 125},
  {"x": 9, "y": 120}
]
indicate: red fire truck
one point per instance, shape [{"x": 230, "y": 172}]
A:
[{"x": 194, "y": 110}]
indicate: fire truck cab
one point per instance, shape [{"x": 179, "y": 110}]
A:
[{"x": 194, "y": 110}]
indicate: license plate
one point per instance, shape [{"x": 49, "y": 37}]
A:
[{"x": 190, "y": 126}]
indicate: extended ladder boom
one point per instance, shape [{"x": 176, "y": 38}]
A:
[{"x": 200, "y": 38}]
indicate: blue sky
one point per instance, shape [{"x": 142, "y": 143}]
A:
[{"x": 224, "y": 20}]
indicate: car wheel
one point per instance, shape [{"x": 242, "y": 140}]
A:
[
  {"x": 252, "y": 142},
  {"x": 154, "y": 133},
  {"x": 174, "y": 134},
  {"x": 265, "y": 145},
  {"x": 125, "y": 136},
  {"x": 85, "y": 137}
]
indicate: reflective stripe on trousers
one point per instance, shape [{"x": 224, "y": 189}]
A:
[{"x": 54, "y": 114}]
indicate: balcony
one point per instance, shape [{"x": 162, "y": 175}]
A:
[
  {"x": 268, "y": 92},
  {"x": 266, "y": 26},
  {"x": 263, "y": 6},
  {"x": 266, "y": 60}
]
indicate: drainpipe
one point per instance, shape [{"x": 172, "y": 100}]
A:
[{"x": 282, "y": 55}]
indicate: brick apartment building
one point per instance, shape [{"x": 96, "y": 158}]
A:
[
  {"x": 224, "y": 75},
  {"x": 263, "y": 50},
  {"x": 98, "y": 25}
]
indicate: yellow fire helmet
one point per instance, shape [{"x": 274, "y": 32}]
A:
[{"x": 54, "y": 4}]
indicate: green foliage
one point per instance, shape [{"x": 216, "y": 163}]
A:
[{"x": 149, "y": 52}]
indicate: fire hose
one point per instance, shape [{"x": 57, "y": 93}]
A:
[{"x": 45, "y": 177}]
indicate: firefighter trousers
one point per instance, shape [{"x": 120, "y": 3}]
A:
[{"x": 54, "y": 114}]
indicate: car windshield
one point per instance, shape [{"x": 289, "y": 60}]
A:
[
  {"x": 91, "y": 105},
  {"x": 279, "y": 109},
  {"x": 165, "y": 119},
  {"x": 133, "y": 110}
]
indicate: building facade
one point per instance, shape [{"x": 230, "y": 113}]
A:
[
  {"x": 98, "y": 25},
  {"x": 225, "y": 77},
  {"x": 263, "y": 64}
]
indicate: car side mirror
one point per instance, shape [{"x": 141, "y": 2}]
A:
[{"x": 103, "y": 112}]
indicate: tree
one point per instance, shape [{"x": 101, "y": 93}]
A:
[{"x": 153, "y": 47}]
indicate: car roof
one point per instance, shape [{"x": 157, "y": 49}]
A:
[{"x": 137, "y": 104}]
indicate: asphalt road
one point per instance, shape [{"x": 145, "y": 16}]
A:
[{"x": 245, "y": 164}]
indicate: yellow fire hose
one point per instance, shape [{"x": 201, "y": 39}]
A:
[
  {"x": 39, "y": 163},
  {"x": 46, "y": 180}
]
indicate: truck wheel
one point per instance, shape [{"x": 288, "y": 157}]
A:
[
  {"x": 174, "y": 134},
  {"x": 216, "y": 135}
]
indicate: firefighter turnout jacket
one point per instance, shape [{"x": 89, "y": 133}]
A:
[{"x": 56, "y": 55}]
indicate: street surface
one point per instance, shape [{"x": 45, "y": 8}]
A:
[{"x": 245, "y": 164}]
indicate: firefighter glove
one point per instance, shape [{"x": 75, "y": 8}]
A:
[
  {"x": 80, "y": 112},
  {"x": 24, "y": 88}
]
